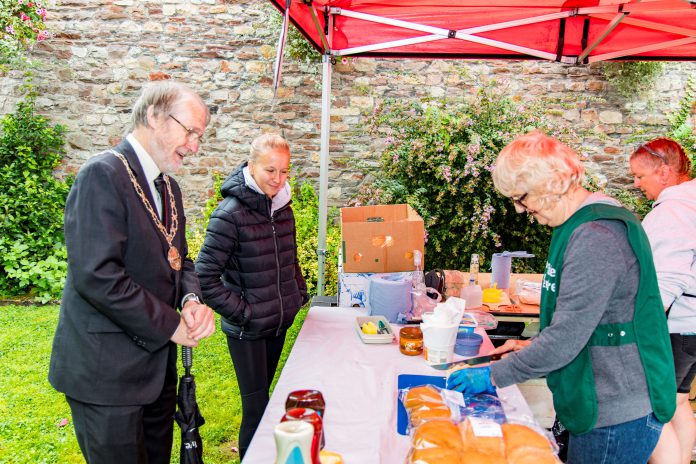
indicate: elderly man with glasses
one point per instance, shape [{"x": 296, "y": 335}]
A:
[{"x": 115, "y": 348}]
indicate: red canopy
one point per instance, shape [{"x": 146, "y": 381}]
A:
[{"x": 572, "y": 31}]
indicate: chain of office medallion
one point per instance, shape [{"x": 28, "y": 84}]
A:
[{"x": 169, "y": 236}]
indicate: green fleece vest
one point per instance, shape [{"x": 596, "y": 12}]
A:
[{"x": 573, "y": 386}]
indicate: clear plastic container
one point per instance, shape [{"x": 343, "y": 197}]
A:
[{"x": 473, "y": 295}]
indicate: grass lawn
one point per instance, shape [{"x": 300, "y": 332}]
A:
[{"x": 31, "y": 411}]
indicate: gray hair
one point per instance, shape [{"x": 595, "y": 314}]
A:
[
  {"x": 539, "y": 164},
  {"x": 265, "y": 143},
  {"x": 162, "y": 96}
]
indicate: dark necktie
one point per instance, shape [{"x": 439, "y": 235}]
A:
[{"x": 161, "y": 188}]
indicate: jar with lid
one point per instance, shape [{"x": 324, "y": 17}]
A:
[{"x": 411, "y": 341}]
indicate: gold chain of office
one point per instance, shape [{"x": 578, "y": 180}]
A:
[{"x": 173, "y": 255}]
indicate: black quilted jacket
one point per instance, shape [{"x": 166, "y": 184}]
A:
[{"x": 248, "y": 265}]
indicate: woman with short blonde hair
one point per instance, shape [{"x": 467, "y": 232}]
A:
[{"x": 603, "y": 344}]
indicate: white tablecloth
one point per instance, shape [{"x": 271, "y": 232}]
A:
[{"x": 359, "y": 384}]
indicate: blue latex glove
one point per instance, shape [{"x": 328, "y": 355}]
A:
[{"x": 471, "y": 381}]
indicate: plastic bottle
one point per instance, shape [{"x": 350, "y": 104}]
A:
[
  {"x": 418, "y": 278},
  {"x": 474, "y": 269},
  {"x": 472, "y": 294}
]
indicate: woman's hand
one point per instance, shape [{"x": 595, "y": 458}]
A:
[{"x": 509, "y": 345}]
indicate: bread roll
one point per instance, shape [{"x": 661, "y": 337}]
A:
[
  {"x": 437, "y": 434},
  {"x": 518, "y": 435},
  {"x": 471, "y": 456},
  {"x": 436, "y": 456},
  {"x": 428, "y": 411},
  {"x": 419, "y": 395},
  {"x": 530, "y": 455},
  {"x": 483, "y": 444}
]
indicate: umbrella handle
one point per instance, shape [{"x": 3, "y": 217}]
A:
[{"x": 187, "y": 358}]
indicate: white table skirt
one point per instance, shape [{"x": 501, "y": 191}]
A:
[{"x": 359, "y": 384}]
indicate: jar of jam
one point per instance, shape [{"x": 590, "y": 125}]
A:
[
  {"x": 411, "y": 341},
  {"x": 312, "y": 399}
]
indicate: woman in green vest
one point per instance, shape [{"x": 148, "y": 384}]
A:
[{"x": 603, "y": 346}]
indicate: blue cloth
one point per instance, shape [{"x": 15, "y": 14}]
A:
[
  {"x": 471, "y": 381},
  {"x": 625, "y": 443}
]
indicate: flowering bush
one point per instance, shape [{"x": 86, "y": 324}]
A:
[
  {"x": 22, "y": 24},
  {"x": 438, "y": 157}
]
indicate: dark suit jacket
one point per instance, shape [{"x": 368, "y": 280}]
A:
[{"x": 119, "y": 303}]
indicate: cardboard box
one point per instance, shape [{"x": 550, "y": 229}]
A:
[
  {"x": 381, "y": 238},
  {"x": 354, "y": 288}
]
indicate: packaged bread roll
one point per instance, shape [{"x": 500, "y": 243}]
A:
[
  {"x": 437, "y": 434},
  {"x": 530, "y": 455},
  {"x": 436, "y": 456},
  {"x": 482, "y": 435},
  {"x": 428, "y": 411},
  {"x": 423, "y": 394},
  {"x": 518, "y": 435},
  {"x": 472, "y": 456}
]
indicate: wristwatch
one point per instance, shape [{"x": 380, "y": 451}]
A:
[{"x": 189, "y": 296}]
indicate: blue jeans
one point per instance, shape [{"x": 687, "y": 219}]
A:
[{"x": 628, "y": 443}]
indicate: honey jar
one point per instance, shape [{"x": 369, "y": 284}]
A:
[{"x": 411, "y": 341}]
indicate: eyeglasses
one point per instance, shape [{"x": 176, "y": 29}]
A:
[
  {"x": 518, "y": 201},
  {"x": 190, "y": 133},
  {"x": 657, "y": 154}
]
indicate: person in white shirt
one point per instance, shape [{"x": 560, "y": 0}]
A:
[{"x": 662, "y": 171}]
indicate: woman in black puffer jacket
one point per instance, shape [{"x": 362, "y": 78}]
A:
[{"x": 249, "y": 272}]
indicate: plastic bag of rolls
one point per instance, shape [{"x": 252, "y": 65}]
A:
[
  {"x": 424, "y": 403},
  {"x": 427, "y": 402},
  {"x": 479, "y": 441}
]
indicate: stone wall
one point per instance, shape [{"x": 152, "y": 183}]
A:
[{"x": 104, "y": 51}]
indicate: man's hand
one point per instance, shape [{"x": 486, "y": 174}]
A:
[
  {"x": 199, "y": 319},
  {"x": 181, "y": 336}
]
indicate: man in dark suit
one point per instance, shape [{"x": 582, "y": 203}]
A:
[{"x": 115, "y": 348}]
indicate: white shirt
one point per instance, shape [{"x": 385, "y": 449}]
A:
[
  {"x": 671, "y": 230},
  {"x": 149, "y": 168}
]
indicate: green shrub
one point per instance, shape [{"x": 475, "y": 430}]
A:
[
  {"x": 680, "y": 128},
  {"x": 32, "y": 250},
  {"x": 632, "y": 78},
  {"x": 195, "y": 229},
  {"x": 438, "y": 156},
  {"x": 305, "y": 205}
]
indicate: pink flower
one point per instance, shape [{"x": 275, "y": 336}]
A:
[
  {"x": 43, "y": 35},
  {"x": 20, "y": 2},
  {"x": 24, "y": 17},
  {"x": 41, "y": 12},
  {"x": 63, "y": 423},
  {"x": 344, "y": 60},
  {"x": 10, "y": 29}
]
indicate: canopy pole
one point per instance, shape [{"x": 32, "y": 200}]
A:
[{"x": 324, "y": 169}]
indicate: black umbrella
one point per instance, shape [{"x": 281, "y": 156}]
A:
[{"x": 189, "y": 416}]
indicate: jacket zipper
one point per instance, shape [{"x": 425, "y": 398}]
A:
[{"x": 280, "y": 296}]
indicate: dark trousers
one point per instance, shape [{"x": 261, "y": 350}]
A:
[
  {"x": 140, "y": 434},
  {"x": 255, "y": 363}
]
